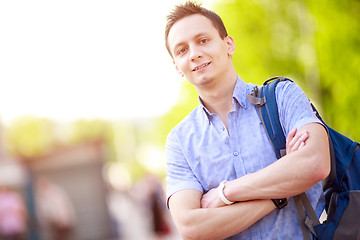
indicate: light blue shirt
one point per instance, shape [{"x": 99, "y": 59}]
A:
[{"x": 200, "y": 153}]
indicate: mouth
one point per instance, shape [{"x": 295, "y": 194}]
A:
[{"x": 202, "y": 66}]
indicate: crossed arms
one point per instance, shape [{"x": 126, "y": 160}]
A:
[{"x": 307, "y": 162}]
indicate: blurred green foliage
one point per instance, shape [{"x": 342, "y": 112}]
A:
[
  {"x": 29, "y": 136},
  {"x": 187, "y": 101},
  {"x": 315, "y": 43},
  {"x": 89, "y": 130}
]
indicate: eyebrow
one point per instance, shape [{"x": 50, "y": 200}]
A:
[{"x": 194, "y": 37}]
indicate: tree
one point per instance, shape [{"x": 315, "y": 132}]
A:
[
  {"x": 30, "y": 136},
  {"x": 316, "y": 43}
]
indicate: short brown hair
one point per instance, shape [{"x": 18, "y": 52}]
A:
[{"x": 190, "y": 8}]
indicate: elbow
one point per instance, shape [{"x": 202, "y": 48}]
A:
[
  {"x": 188, "y": 233},
  {"x": 317, "y": 154},
  {"x": 321, "y": 169},
  {"x": 325, "y": 171},
  {"x": 321, "y": 174},
  {"x": 185, "y": 235},
  {"x": 194, "y": 232}
]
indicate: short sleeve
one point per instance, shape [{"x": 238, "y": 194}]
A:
[
  {"x": 179, "y": 174},
  {"x": 295, "y": 109}
]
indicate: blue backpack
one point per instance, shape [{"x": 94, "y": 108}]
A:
[{"x": 341, "y": 187}]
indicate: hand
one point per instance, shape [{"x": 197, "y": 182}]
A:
[
  {"x": 296, "y": 140},
  {"x": 211, "y": 199}
]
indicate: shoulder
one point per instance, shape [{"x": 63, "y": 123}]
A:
[
  {"x": 288, "y": 88},
  {"x": 294, "y": 106}
]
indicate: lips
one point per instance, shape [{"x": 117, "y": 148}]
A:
[{"x": 201, "y": 67}]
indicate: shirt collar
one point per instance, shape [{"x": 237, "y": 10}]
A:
[
  {"x": 206, "y": 111},
  {"x": 239, "y": 95},
  {"x": 240, "y": 92}
]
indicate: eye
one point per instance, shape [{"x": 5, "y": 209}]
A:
[
  {"x": 203, "y": 40},
  {"x": 181, "y": 51}
]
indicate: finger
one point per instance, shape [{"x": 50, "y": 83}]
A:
[
  {"x": 291, "y": 135},
  {"x": 294, "y": 140},
  {"x": 302, "y": 136},
  {"x": 203, "y": 203},
  {"x": 301, "y": 139},
  {"x": 298, "y": 146},
  {"x": 301, "y": 145}
]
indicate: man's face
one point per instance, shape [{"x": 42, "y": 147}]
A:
[{"x": 198, "y": 51}]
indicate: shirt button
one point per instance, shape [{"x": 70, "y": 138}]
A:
[{"x": 236, "y": 154}]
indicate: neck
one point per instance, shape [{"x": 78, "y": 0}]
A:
[{"x": 218, "y": 98}]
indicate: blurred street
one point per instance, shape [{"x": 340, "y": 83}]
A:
[
  {"x": 65, "y": 195},
  {"x": 134, "y": 221}
]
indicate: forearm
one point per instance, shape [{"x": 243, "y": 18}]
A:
[
  {"x": 271, "y": 182},
  {"x": 223, "y": 222},
  {"x": 290, "y": 175}
]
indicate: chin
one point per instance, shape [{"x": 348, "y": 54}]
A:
[
  {"x": 200, "y": 78},
  {"x": 204, "y": 81}
]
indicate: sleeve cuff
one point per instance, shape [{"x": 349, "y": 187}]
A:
[{"x": 182, "y": 186}]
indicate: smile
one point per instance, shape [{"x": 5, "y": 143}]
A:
[{"x": 201, "y": 66}]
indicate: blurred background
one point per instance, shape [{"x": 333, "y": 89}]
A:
[{"x": 88, "y": 94}]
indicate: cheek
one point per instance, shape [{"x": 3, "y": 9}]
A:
[
  {"x": 177, "y": 65},
  {"x": 182, "y": 66}
]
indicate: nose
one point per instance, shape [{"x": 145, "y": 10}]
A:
[{"x": 195, "y": 53}]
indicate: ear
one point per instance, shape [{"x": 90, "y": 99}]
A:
[
  {"x": 230, "y": 45},
  {"x": 178, "y": 69}
]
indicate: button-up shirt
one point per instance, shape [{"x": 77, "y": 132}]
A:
[{"x": 200, "y": 153}]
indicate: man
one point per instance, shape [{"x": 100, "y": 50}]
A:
[{"x": 223, "y": 139}]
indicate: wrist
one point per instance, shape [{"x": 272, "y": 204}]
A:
[{"x": 221, "y": 193}]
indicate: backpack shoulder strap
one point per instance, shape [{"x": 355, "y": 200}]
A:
[{"x": 265, "y": 100}]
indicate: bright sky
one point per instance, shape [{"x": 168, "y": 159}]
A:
[{"x": 74, "y": 59}]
